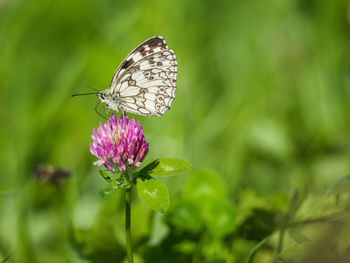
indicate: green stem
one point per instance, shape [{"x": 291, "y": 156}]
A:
[
  {"x": 280, "y": 240},
  {"x": 256, "y": 248},
  {"x": 5, "y": 258},
  {"x": 127, "y": 224}
]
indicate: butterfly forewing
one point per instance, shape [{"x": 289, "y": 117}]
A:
[
  {"x": 146, "y": 81},
  {"x": 148, "y": 47}
]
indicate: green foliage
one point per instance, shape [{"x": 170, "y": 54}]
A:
[
  {"x": 105, "y": 176},
  {"x": 294, "y": 253},
  {"x": 298, "y": 237},
  {"x": 202, "y": 185},
  {"x": 207, "y": 191},
  {"x": 107, "y": 192},
  {"x": 166, "y": 167},
  {"x": 154, "y": 194},
  {"x": 5, "y": 259},
  {"x": 261, "y": 111},
  {"x": 185, "y": 216},
  {"x": 341, "y": 186}
]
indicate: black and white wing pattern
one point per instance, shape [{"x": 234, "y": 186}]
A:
[{"x": 145, "y": 82}]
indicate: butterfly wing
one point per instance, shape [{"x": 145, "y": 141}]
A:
[{"x": 146, "y": 81}]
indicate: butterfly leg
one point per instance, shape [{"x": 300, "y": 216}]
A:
[
  {"x": 107, "y": 110},
  {"x": 98, "y": 112}
]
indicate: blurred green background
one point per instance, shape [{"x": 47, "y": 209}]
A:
[{"x": 262, "y": 108}]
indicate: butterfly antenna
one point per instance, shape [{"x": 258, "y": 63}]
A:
[
  {"x": 98, "y": 112},
  {"x": 80, "y": 94},
  {"x": 88, "y": 86}
]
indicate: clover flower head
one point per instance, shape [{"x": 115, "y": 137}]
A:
[{"x": 119, "y": 144}]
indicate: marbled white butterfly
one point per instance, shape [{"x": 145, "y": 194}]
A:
[{"x": 145, "y": 82}]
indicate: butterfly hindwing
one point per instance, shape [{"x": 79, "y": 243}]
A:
[{"x": 146, "y": 81}]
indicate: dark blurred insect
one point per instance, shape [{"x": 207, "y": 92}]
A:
[{"x": 51, "y": 174}]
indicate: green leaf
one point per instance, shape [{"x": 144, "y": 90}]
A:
[
  {"x": 294, "y": 254},
  {"x": 166, "y": 167},
  {"x": 5, "y": 258},
  {"x": 185, "y": 215},
  {"x": 105, "y": 176},
  {"x": 328, "y": 207},
  {"x": 298, "y": 237},
  {"x": 186, "y": 247},
  {"x": 342, "y": 185},
  {"x": 296, "y": 200},
  {"x": 204, "y": 184},
  {"x": 160, "y": 230},
  {"x": 220, "y": 217},
  {"x": 107, "y": 192},
  {"x": 154, "y": 194}
]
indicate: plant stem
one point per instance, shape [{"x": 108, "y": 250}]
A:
[
  {"x": 256, "y": 248},
  {"x": 5, "y": 258},
  {"x": 127, "y": 224},
  {"x": 280, "y": 240}
]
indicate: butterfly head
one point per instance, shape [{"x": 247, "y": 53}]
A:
[
  {"x": 106, "y": 97},
  {"x": 103, "y": 96}
]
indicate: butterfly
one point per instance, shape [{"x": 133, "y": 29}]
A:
[{"x": 145, "y": 82}]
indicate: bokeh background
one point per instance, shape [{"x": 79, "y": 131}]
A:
[{"x": 262, "y": 108}]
